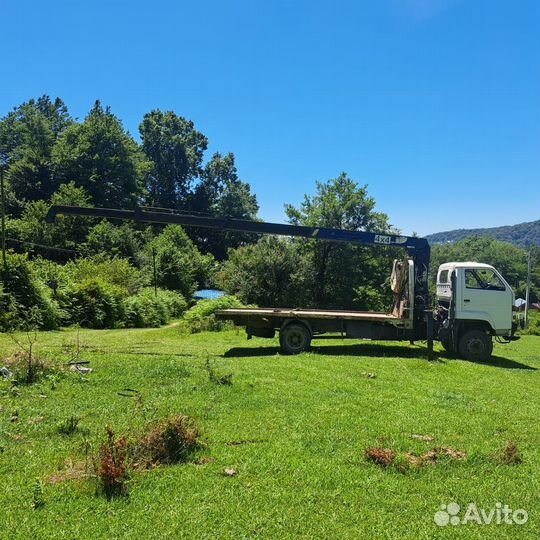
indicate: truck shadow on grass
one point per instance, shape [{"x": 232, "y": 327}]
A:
[{"x": 371, "y": 349}]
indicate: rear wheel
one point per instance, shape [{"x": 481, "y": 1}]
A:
[
  {"x": 475, "y": 345},
  {"x": 294, "y": 338}
]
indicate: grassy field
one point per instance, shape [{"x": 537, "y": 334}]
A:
[{"x": 295, "y": 430}]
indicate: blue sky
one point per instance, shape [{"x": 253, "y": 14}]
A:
[{"x": 435, "y": 104}]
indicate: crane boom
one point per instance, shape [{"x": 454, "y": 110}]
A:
[{"x": 417, "y": 248}]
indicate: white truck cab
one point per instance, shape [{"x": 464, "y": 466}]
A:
[{"x": 474, "y": 303}]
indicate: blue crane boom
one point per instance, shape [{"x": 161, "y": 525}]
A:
[{"x": 417, "y": 248}]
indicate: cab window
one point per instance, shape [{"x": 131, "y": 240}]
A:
[
  {"x": 483, "y": 279},
  {"x": 443, "y": 277}
]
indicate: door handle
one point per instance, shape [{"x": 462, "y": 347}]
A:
[{"x": 466, "y": 300}]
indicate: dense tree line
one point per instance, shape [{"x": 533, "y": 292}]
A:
[
  {"x": 45, "y": 149},
  {"x": 525, "y": 235},
  {"x": 103, "y": 274}
]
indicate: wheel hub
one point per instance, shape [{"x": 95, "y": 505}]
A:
[{"x": 476, "y": 346}]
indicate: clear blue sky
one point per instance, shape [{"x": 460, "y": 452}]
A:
[{"x": 433, "y": 103}]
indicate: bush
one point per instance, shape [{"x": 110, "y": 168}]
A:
[
  {"x": 113, "y": 270},
  {"x": 94, "y": 303},
  {"x": 112, "y": 470},
  {"x": 534, "y": 324},
  {"x": 201, "y": 317},
  {"x": 174, "y": 440},
  {"x": 180, "y": 265},
  {"x": 21, "y": 290},
  {"x": 145, "y": 309}
]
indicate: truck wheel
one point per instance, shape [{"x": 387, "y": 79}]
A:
[
  {"x": 475, "y": 345},
  {"x": 294, "y": 339}
]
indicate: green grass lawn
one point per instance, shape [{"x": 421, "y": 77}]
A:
[{"x": 294, "y": 428}]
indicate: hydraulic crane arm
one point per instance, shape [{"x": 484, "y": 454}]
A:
[{"x": 417, "y": 248}]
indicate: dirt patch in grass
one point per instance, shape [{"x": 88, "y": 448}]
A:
[
  {"x": 72, "y": 471},
  {"x": 425, "y": 438},
  {"x": 434, "y": 455},
  {"x": 510, "y": 454},
  {"x": 381, "y": 456},
  {"x": 385, "y": 457}
]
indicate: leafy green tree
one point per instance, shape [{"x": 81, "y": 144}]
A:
[
  {"x": 176, "y": 149},
  {"x": 180, "y": 266},
  {"x": 311, "y": 273},
  {"x": 117, "y": 240},
  {"x": 340, "y": 275},
  {"x": 67, "y": 232},
  {"x": 27, "y": 136},
  {"x": 101, "y": 157},
  {"x": 222, "y": 193},
  {"x": 265, "y": 273}
]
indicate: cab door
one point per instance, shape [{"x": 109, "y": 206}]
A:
[{"x": 486, "y": 296}]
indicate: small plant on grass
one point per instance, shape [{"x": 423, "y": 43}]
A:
[
  {"x": 214, "y": 377},
  {"x": 68, "y": 426},
  {"x": 38, "y": 501},
  {"x": 27, "y": 366},
  {"x": 112, "y": 470},
  {"x": 510, "y": 454},
  {"x": 173, "y": 440}
]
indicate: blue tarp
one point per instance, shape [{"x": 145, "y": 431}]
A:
[{"x": 206, "y": 294}]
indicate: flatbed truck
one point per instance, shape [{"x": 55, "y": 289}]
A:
[{"x": 473, "y": 302}]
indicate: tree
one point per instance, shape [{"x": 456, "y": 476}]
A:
[
  {"x": 222, "y": 193},
  {"x": 312, "y": 273},
  {"x": 27, "y": 136},
  {"x": 101, "y": 157},
  {"x": 176, "y": 149},
  {"x": 67, "y": 232},
  {"x": 343, "y": 275},
  {"x": 265, "y": 273},
  {"x": 180, "y": 266},
  {"x": 116, "y": 240}
]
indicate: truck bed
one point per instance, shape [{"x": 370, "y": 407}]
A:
[{"x": 293, "y": 313}]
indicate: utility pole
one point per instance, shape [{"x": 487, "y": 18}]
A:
[
  {"x": 155, "y": 270},
  {"x": 528, "y": 289},
  {"x": 3, "y": 209}
]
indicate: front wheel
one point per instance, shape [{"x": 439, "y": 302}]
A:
[
  {"x": 475, "y": 345},
  {"x": 294, "y": 338}
]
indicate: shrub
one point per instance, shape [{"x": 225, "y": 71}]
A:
[
  {"x": 202, "y": 316},
  {"x": 113, "y": 270},
  {"x": 145, "y": 309},
  {"x": 174, "y": 440},
  {"x": 68, "y": 425},
  {"x": 175, "y": 302},
  {"x": 21, "y": 291},
  {"x": 112, "y": 470},
  {"x": 26, "y": 367},
  {"x": 94, "y": 303}
]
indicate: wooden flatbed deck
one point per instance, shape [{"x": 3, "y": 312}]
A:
[{"x": 291, "y": 313}]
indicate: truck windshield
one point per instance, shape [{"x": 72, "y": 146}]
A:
[{"x": 483, "y": 279}]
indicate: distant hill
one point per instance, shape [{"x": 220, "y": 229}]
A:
[{"x": 522, "y": 234}]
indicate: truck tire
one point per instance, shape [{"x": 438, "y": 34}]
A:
[
  {"x": 475, "y": 345},
  {"x": 294, "y": 338}
]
